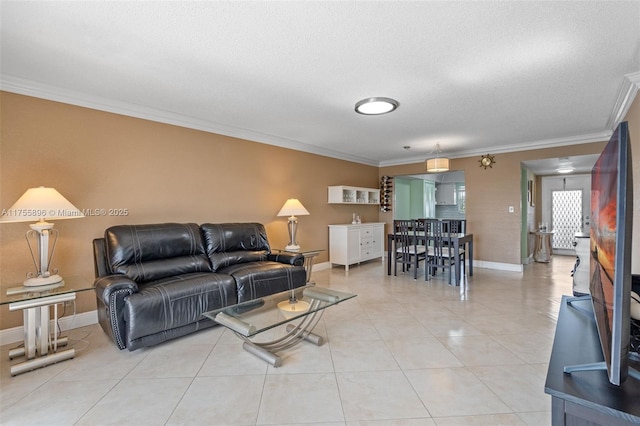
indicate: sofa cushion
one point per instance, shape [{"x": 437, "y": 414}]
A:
[
  {"x": 259, "y": 279},
  {"x": 233, "y": 243},
  {"x": 176, "y": 301},
  {"x": 151, "y": 252}
]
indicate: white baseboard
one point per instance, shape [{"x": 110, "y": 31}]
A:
[
  {"x": 511, "y": 267},
  {"x": 16, "y": 334},
  {"x": 321, "y": 266}
]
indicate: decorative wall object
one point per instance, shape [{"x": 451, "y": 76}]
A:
[
  {"x": 386, "y": 187},
  {"x": 487, "y": 161}
]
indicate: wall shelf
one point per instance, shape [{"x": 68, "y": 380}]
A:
[{"x": 342, "y": 194}]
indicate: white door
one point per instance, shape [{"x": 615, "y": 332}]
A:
[{"x": 572, "y": 195}]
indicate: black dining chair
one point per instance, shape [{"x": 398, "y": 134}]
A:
[
  {"x": 440, "y": 251},
  {"x": 408, "y": 250},
  {"x": 457, "y": 226}
]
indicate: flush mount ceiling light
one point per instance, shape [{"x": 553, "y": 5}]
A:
[
  {"x": 565, "y": 169},
  {"x": 437, "y": 164},
  {"x": 376, "y": 106},
  {"x": 564, "y": 165}
]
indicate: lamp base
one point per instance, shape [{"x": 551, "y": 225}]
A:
[
  {"x": 292, "y": 308},
  {"x": 292, "y": 247},
  {"x": 40, "y": 280}
]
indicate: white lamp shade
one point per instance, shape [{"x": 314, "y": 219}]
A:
[
  {"x": 437, "y": 164},
  {"x": 40, "y": 204},
  {"x": 293, "y": 207}
]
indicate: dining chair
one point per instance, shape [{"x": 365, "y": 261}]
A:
[
  {"x": 441, "y": 251},
  {"x": 408, "y": 251},
  {"x": 457, "y": 226}
]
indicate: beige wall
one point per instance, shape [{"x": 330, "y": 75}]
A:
[
  {"x": 489, "y": 193},
  {"x": 633, "y": 117},
  {"x": 159, "y": 173},
  {"x": 162, "y": 173}
]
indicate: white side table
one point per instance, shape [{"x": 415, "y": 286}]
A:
[{"x": 40, "y": 345}]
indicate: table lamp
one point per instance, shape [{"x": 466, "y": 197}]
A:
[
  {"x": 292, "y": 208},
  {"x": 41, "y": 204}
]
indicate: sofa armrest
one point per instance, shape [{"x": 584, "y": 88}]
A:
[
  {"x": 106, "y": 286},
  {"x": 111, "y": 292},
  {"x": 101, "y": 268},
  {"x": 295, "y": 259}
]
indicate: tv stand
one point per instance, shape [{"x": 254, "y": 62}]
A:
[{"x": 586, "y": 398}]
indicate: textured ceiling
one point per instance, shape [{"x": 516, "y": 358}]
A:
[{"x": 475, "y": 77}]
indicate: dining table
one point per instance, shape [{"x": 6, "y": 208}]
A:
[{"x": 460, "y": 241}]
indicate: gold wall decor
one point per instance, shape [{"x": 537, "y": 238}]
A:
[{"x": 487, "y": 161}]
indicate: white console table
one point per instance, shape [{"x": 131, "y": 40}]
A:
[{"x": 349, "y": 244}]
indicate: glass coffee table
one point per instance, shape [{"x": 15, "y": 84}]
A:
[{"x": 300, "y": 309}]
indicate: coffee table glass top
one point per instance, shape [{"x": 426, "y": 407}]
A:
[
  {"x": 20, "y": 293},
  {"x": 255, "y": 316}
]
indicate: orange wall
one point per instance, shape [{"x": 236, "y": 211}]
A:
[
  {"x": 489, "y": 193},
  {"x": 159, "y": 173},
  {"x": 163, "y": 173},
  {"x": 633, "y": 117}
]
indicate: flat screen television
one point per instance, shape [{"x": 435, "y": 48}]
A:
[{"x": 610, "y": 264}]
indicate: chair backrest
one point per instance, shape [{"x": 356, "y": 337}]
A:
[
  {"x": 457, "y": 226},
  {"x": 435, "y": 237},
  {"x": 428, "y": 224},
  {"x": 402, "y": 230},
  {"x": 405, "y": 236},
  {"x": 440, "y": 237}
]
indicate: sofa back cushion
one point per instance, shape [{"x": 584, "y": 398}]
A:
[
  {"x": 151, "y": 252},
  {"x": 233, "y": 243}
]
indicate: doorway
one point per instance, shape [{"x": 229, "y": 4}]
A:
[
  {"x": 566, "y": 217},
  {"x": 566, "y": 207},
  {"x": 416, "y": 196}
]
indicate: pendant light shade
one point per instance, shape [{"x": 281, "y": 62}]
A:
[{"x": 437, "y": 164}]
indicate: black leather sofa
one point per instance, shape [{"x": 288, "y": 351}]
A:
[{"x": 154, "y": 281}]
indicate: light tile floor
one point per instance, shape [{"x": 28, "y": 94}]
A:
[{"x": 403, "y": 352}]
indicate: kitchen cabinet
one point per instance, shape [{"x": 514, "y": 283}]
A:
[
  {"x": 350, "y": 244},
  {"x": 446, "y": 194}
]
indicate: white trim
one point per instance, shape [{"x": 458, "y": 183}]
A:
[
  {"x": 525, "y": 146},
  {"x": 511, "y": 267},
  {"x": 627, "y": 94},
  {"x": 321, "y": 266},
  {"x": 21, "y": 86},
  {"x": 16, "y": 334}
]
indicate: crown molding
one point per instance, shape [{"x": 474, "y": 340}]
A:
[
  {"x": 8, "y": 83},
  {"x": 20, "y": 86},
  {"x": 626, "y": 95},
  {"x": 525, "y": 146}
]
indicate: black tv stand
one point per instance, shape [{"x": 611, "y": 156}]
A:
[{"x": 586, "y": 398}]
